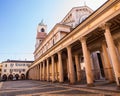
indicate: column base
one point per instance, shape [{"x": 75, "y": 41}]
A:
[
  {"x": 72, "y": 83},
  {"x": 61, "y": 82},
  {"x": 111, "y": 82},
  {"x": 53, "y": 81},
  {"x": 90, "y": 85}
]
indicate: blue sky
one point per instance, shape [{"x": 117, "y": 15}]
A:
[{"x": 19, "y": 20}]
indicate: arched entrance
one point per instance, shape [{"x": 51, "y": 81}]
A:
[
  {"x": 16, "y": 76},
  {"x": 23, "y": 76},
  {"x": 10, "y": 77},
  {"x": 4, "y": 77}
]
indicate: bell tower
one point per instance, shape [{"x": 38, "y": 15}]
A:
[{"x": 41, "y": 33}]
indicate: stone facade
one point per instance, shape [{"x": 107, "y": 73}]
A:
[
  {"x": 14, "y": 69},
  {"x": 89, "y": 49}
]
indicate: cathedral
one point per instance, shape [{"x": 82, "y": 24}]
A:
[{"x": 83, "y": 47}]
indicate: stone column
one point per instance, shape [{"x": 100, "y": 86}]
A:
[
  {"x": 113, "y": 54},
  {"x": 48, "y": 71},
  {"x": 88, "y": 67},
  {"x": 36, "y": 72},
  {"x": 53, "y": 69},
  {"x": 118, "y": 47},
  {"x": 78, "y": 67},
  {"x": 40, "y": 71},
  {"x": 71, "y": 66},
  {"x": 108, "y": 66},
  {"x": 31, "y": 75},
  {"x": 104, "y": 66},
  {"x": 43, "y": 70},
  {"x": 60, "y": 66}
]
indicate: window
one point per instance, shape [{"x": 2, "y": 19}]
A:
[
  {"x": 23, "y": 70},
  {"x": 23, "y": 64},
  {"x": 4, "y": 70},
  {"x": 11, "y": 70},
  {"x": 42, "y": 30},
  {"x": 5, "y": 65},
  {"x": 27, "y": 64},
  {"x": 11, "y": 65}
]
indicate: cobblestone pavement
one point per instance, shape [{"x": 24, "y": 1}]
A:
[{"x": 38, "y": 88}]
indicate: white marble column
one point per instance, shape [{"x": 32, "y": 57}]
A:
[
  {"x": 71, "y": 66},
  {"x": 60, "y": 67},
  {"x": 112, "y": 51},
  {"x": 88, "y": 67}
]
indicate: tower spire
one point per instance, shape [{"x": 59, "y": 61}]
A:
[{"x": 41, "y": 23}]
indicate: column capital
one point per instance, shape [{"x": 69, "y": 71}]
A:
[
  {"x": 68, "y": 47},
  {"x": 76, "y": 54},
  {"x": 83, "y": 39},
  {"x": 47, "y": 59},
  {"x": 105, "y": 25},
  {"x": 59, "y": 52},
  {"x": 43, "y": 61},
  {"x": 52, "y": 56}
]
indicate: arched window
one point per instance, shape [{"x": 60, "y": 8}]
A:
[{"x": 42, "y": 30}]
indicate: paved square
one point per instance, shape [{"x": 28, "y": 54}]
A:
[{"x": 38, "y": 88}]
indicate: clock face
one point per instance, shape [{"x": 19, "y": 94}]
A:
[{"x": 42, "y": 30}]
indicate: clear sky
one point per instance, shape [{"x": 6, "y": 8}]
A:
[{"x": 19, "y": 20}]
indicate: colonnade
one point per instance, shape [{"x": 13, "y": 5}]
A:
[{"x": 109, "y": 56}]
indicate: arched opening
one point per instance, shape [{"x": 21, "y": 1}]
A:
[
  {"x": 10, "y": 77},
  {"x": 4, "y": 77},
  {"x": 23, "y": 76},
  {"x": 16, "y": 76},
  {"x": 42, "y": 30}
]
